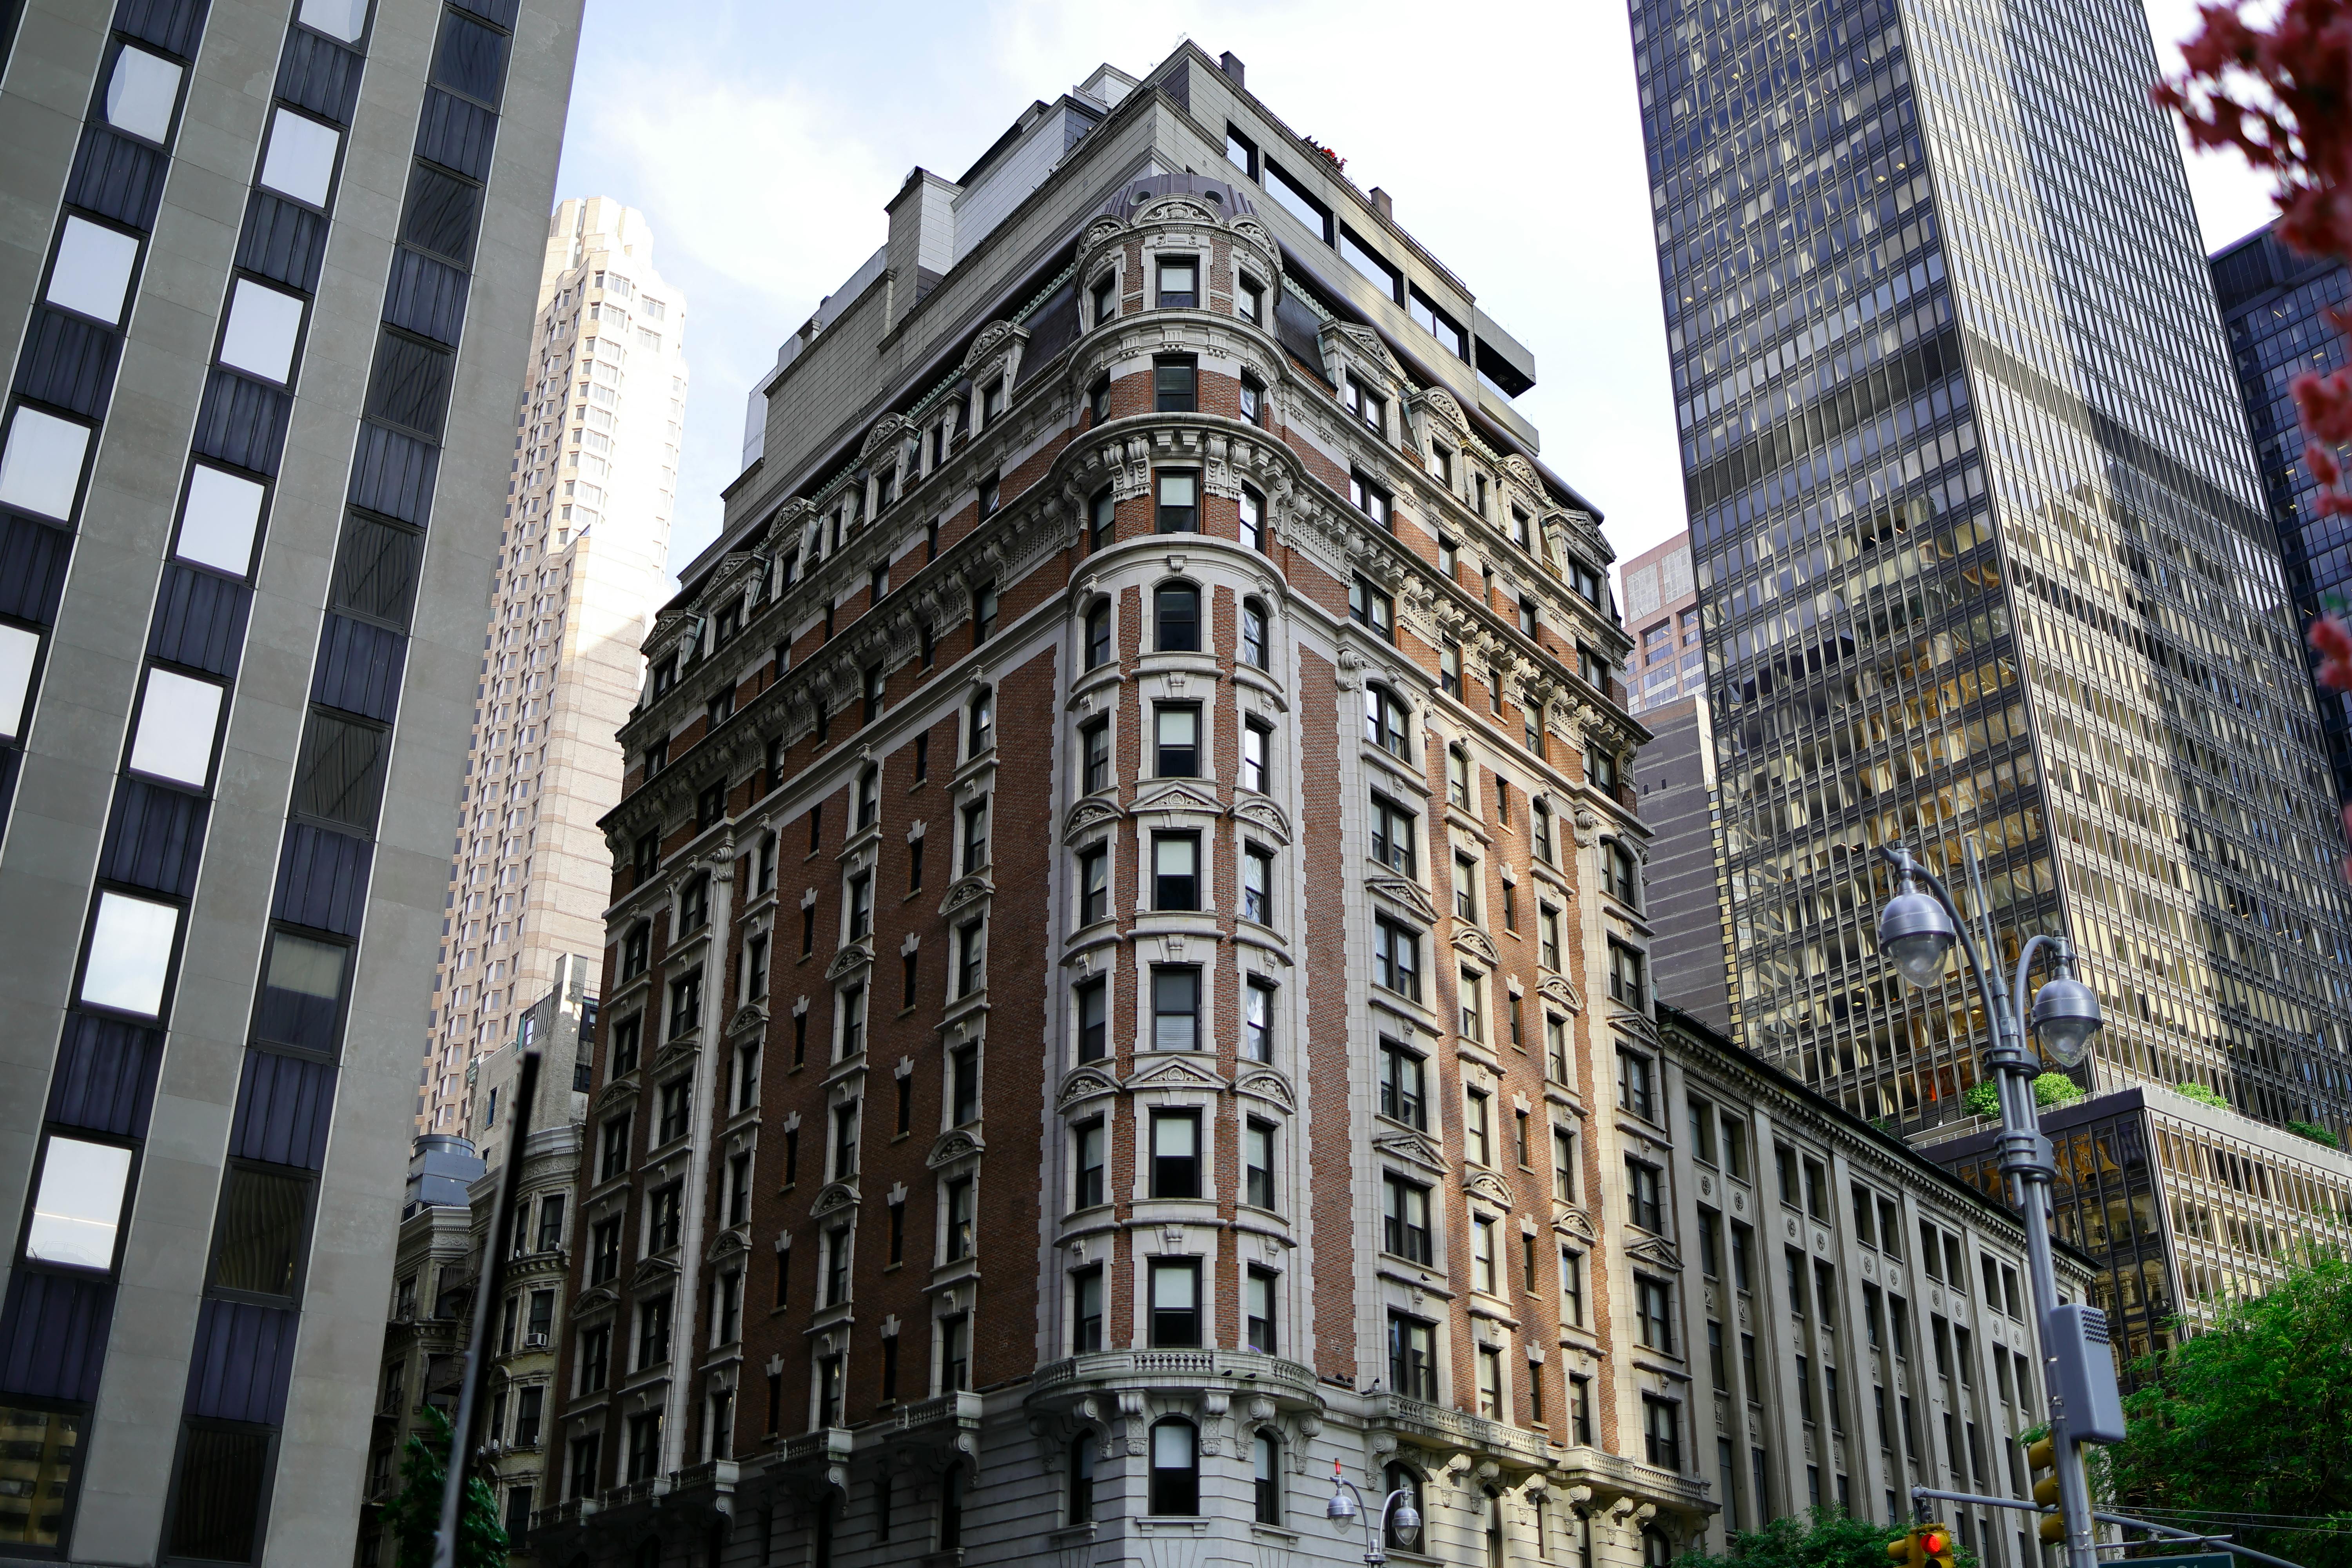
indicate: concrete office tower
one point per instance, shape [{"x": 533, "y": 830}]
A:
[
  {"x": 2273, "y": 300},
  {"x": 1979, "y": 550},
  {"x": 265, "y": 276},
  {"x": 582, "y": 564},
  {"x": 1126, "y": 895}
]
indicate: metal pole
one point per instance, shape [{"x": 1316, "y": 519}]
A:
[
  {"x": 2025, "y": 1161},
  {"x": 2169, "y": 1533},
  {"x": 488, "y": 1283}
]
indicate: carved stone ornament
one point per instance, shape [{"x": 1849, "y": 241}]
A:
[
  {"x": 1088, "y": 1083},
  {"x": 956, "y": 1145},
  {"x": 1266, "y": 1084},
  {"x": 1556, "y": 988},
  {"x": 1412, "y": 1148},
  {"x": 1469, "y": 940},
  {"x": 726, "y": 1244},
  {"x": 1397, "y": 890},
  {"x": 850, "y": 960},
  {"x": 1655, "y": 1250},
  {"x": 749, "y": 1016},
  {"x": 1176, "y": 797},
  {"x": 1174, "y": 1072},
  {"x": 1088, "y": 815},
  {"x": 1573, "y": 1222},
  {"x": 1488, "y": 1187},
  {"x": 837, "y": 1196},
  {"x": 1266, "y": 817},
  {"x": 966, "y": 892}
]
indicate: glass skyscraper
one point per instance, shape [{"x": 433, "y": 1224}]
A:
[
  {"x": 2274, "y": 301},
  {"x": 1978, "y": 547}
]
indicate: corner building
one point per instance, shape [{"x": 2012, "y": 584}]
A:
[
  {"x": 266, "y": 274},
  {"x": 1125, "y": 905},
  {"x": 1980, "y": 548}
]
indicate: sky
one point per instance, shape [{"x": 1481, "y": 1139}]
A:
[{"x": 761, "y": 138}]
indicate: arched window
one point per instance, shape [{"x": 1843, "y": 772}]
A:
[
  {"x": 1176, "y": 610},
  {"x": 869, "y": 796},
  {"x": 1082, "y": 1479},
  {"x": 980, "y": 724},
  {"x": 951, "y": 1487},
  {"x": 1254, "y": 648},
  {"x": 1385, "y": 717},
  {"x": 1175, "y": 1467},
  {"x": 1400, "y": 1478},
  {"x": 1098, "y": 636},
  {"x": 1266, "y": 1472}
]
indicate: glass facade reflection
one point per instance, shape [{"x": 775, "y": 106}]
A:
[
  {"x": 2183, "y": 1205},
  {"x": 2273, "y": 303},
  {"x": 1979, "y": 550}
]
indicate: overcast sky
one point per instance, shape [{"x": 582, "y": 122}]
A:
[{"x": 761, "y": 139}]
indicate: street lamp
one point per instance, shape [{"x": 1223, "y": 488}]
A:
[
  {"x": 1916, "y": 930},
  {"x": 1397, "y": 1514}
]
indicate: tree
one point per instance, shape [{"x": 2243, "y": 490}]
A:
[
  {"x": 414, "y": 1514},
  {"x": 2052, "y": 1089},
  {"x": 2248, "y": 1424},
  {"x": 1826, "y": 1538}
]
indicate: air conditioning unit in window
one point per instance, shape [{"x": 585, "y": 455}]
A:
[{"x": 535, "y": 1341}]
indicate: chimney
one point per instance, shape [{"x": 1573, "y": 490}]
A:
[
  {"x": 1230, "y": 63},
  {"x": 1384, "y": 204},
  {"x": 923, "y": 239}
]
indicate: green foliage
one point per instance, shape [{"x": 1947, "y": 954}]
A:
[
  {"x": 2315, "y": 1132},
  {"x": 2200, "y": 1094},
  {"x": 414, "y": 1513},
  {"x": 1983, "y": 1098},
  {"x": 2252, "y": 1420},
  {"x": 2055, "y": 1089},
  {"x": 1825, "y": 1538}
]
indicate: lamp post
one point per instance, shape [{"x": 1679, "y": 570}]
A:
[
  {"x": 1916, "y": 931},
  {"x": 1397, "y": 1512}
]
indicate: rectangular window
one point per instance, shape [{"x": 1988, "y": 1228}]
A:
[
  {"x": 1175, "y": 1007},
  {"x": 1406, "y": 1212},
  {"x": 1175, "y": 871},
  {"x": 1257, "y": 1021},
  {"x": 972, "y": 958},
  {"x": 1400, "y": 1085},
  {"x": 1471, "y": 998},
  {"x": 1093, "y": 1023},
  {"x": 1626, "y": 984},
  {"x": 1094, "y": 886},
  {"x": 1177, "y": 495},
  {"x": 1180, "y": 285},
  {"x": 1257, "y": 1311},
  {"x": 1653, "y": 1313},
  {"x": 1175, "y": 1154},
  {"x": 1412, "y": 1358},
  {"x": 1438, "y": 324},
  {"x": 1085, "y": 1310},
  {"x": 1258, "y": 1164},
  {"x": 1370, "y": 408},
  {"x": 1176, "y": 741},
  {"x": 1392, "y": 835},
  {"x": 1361, "y": 255},
  {"x": 1643, "y": 1202},
  {"x": 1572, "y": 1286},
  {"x": 1396, "y": 956},
  {"x": 1257, "y": 885},
  {"x": 1175, "y": 1286},
  {"x": 1662, "y": 1431},
  {"x": 1635, "y": 1084},
  {"x": 1094, "y": 740},
  {"x": 1563, "y": 1164},
  {"x": 1087, "y": 1150},
  {"x": 1258, "y": 741}
]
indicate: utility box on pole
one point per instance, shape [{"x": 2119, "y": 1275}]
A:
[{"x": 2083, "y": 1367}]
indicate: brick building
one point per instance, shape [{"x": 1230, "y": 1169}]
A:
[{"x": 1126, "y": 904}]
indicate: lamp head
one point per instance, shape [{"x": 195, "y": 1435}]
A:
[
  {"x": 1405, "y": 1521},
  {"x": 1915, "y": 932},
  {"x": 1341, "y": 1509},
  {"x": 2066, "y": 1017}
]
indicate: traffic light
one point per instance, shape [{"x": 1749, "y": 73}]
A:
[
  {"x": 2042, "y": 1460},
  {"x": 1934, "y": 1547},
  {"x": 1904, "y": 1549}
]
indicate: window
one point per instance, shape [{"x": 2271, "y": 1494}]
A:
[
  {"x": 595, "y": 1357},
  {"x": 1478, "y": 1129},
  {"x": 1257, "y": 1021},
  {"x": 975, "y": 837},
  {"x": 837, "y": 1267},
  {"x": 958, "y": 1206},
  {"x": 130, "y": 954},
  {"x": 1580, "y": 1409},
  {"x": 1369, "y": 408},
  {"x": 992, "y": 403},
  {"x": 1178, "y": 497},
  {"x": 262, "y": 327},
  {"x": 300, "y": 162},
  {"x": 980, "y": 724},
  {"x": 1465, "y": 889},
  {"x": 1176, "y": 616},
  {"x": 1555, "y": 1048},
  {"x": 972, "y": 958},
  {"x": 1257, "y": 741},
  {"x": 1385, "y": 720},
  {"x": 1257, "y": 885},
  {"x": 1662, "y": 1432},
  {"x": 1087, "y": 1150},
  {"x": 1175, "y": 1007},
  {"x": 1094, "y": 886},
  {"x": 1179, "y": 277},
  {"x": 1548, "y": 937},
  {"x": 859, "y": 907},
  {"x": 1175, "y": 1154},
  {"x": 1249, "y": 301},
  {"x": 1258, "y": 1164},
  {"x": 1600, "y": 768},
  {"x": 1571, "y": 1286},
  {"x": 1253, "y": 641},
  {"x": 615, "y": 1160},
  {"x": 1396, "y": 957},
  {"x": 1401, "y": 1080},
  {"x": 662, "y": 1217},
  {"x": 1406, "y": 1211},
  {"x": 1470, "y": 997},
  {"x": 1176, "y": 732},
  {"x": 1175, "y": 1303},
  {"x": 1625, "y": 982},
  {"x": 845, "y": 1142},
  {"x": 983, "y": 597},
  {"x": 604, "y": 1250},
  {"x": 77, "y": 1205},
  {"x": 1373, "y": 609},
  {"x": 1092, "y": 1024},
  {"x": 40, "y": 466},
  {"x": 1654, "y": 1324},
  {"x": 1643, "y": 1204},
  {"x": 92, "y": 274},
  {"x": 1635, "y": 1084},
  {"x": 1175, "y": 1465},
  {"x": 1449, "y": 669},
  {"x": 1485, "y": 1269},
  {"x": 1098, "y": 636},
  {"x": 1252, "y": 409},
  {"x": 1085, "y": 1310},
  {"x": 1392, "y": 835},
  {"x": 652, "y": 1333},
  {"x": 1175, "y": 871},
  {"x": 675, "y": 1096},
  {"x": 1258, "y": 1310},
  {"x": 1624, "y": 873},
  {"x": 1102, "y": 511},
  {"x": 1490, "y": 1387},
  {"x": 1412, "y": 1358},
  {"x": 1438, "y": 324},
  {"x": 1104, "y": 295},
  {"x": 1368, "y": 498},
  {"x": 1539, "y": 830}
]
